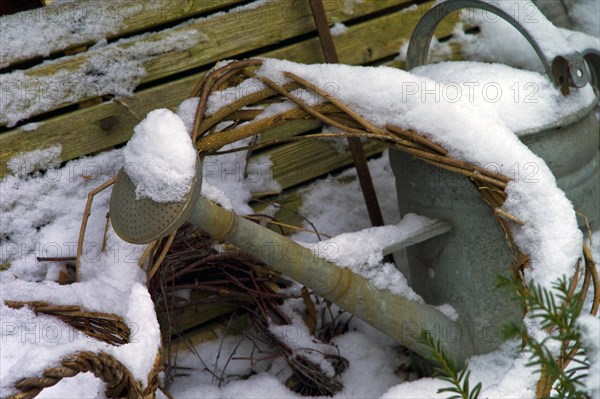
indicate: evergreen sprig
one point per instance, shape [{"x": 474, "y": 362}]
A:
[
  {"x": 447, "y": 370},
  {"x": 556, "y": 311}
]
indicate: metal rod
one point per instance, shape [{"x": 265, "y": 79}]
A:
[{"x": 358, "y": 153}]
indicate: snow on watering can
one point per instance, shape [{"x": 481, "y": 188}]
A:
[{"x": 461, "y": 267}]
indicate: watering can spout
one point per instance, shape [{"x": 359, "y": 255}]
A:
[
  {"x": 397, "y": 316},
  {"x": 143, "y": 220}
]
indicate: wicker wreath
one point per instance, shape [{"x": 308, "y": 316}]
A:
[
  {"x": 333, "y": 112},
  {"x": 106, "y": 327},
  {"x": 240, "y": 118}
]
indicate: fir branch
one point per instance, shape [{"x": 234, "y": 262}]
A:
[
  {"x": 448, "y": 371},
  {"x": 556, "y": 311}
]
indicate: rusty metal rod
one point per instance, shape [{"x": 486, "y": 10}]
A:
[{"x": 358, "y": 153}]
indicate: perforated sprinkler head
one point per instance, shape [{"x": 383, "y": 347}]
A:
[{"x": 140, "y": 221}]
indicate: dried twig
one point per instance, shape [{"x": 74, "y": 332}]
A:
[{"x": 84, "y": 220}]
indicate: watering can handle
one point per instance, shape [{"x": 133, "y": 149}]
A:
[{"x": 565, "y": 70}]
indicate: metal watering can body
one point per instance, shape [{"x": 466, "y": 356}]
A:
[{"x": 461, "y": 267}]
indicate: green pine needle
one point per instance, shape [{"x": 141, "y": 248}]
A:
[{"x": 448, "y": 370}]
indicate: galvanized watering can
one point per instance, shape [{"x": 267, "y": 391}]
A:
[
  {"x": 461, "y": 267},
  {"x": 141, "y": 221},
  {"x": 471, "y": 293}
]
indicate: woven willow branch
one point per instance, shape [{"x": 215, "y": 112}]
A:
[
  {"x": 105, "y": 327},
  {"x": 245, "y": 124},
  {"x": 118, "y": 379},
  {"x": 333, "y": 112}
]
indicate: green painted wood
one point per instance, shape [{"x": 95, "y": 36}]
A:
[
  {"x": 219, "y": 36},
  {"x": 134, "y": 16},
  {"x": 108, "y": 124},
  {"x": 299, "y": 162}
]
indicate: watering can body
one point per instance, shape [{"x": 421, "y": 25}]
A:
[{"x": 461, "y": 267}]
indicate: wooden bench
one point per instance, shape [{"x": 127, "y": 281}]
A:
[{"x": 68, "y": 94}]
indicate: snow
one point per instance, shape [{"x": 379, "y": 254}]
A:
[
  {"x": 525, "y": 101},
  {"x": 491, "y": 44},
  {"x": 503, "y": 374},
  {"x": 116, "y": 69},
  {"x": 321, "y": 199},
  {"x": 547, "y": 36},
  {"x": 32, "y": 343},
  {"x": 585, "y": 15},
  {"x": 372, "y": 357},
  {"x": 581, "y": 41},
  {"x": 366, "y": 259},
  {"x": 40, "y": 213},
  {"x": 590, "y": 338},
  {"x": 220, "y": 99},
  {"x": 24, "y": 164},
  {"x": 160, "y": 158},
  {"x": 117, "y": 287},
  {"x": 29, "y": 127},
  {"x": 60, "y": 27},
  {"x": 338, "y": 29},
  {"x": 216, "y": 195},
  {"x": 84, "y": 385},
  {"x": 449, "y": 311},
  {"x": 454, "y": 121},
  {"x": 373, "y": 241},
  {"x": 112, "y": 283}
]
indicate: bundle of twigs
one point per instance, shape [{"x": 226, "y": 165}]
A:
[{"x": 233, "y": 284}]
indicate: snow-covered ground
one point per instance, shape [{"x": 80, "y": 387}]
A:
[{"x": 40, "y": 216}]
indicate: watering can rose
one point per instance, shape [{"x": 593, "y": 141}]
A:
[{"x": 161, "y": 158}]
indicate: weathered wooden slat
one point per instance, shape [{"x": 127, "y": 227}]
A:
[
  {"x": 290, "y": 129},
  {"x": 194, "y": 315},
  {"x": 129, "y": 17},
  {"x": 187, "y": 46},
  {"x": 299, "y": 162},
  {"x": 108, "y": 124},
  {"x": 208, "y": 331}
]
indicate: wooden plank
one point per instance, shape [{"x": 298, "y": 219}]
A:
[
  {"x": 128, "y": 17},
  {"x": 193, "y": 44},
  {"x": 206, "y": 332},
  {"x": 299, "y": 162},
  {"x": 81, "y": 132},
  {"x": 194, "y": 314}
]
